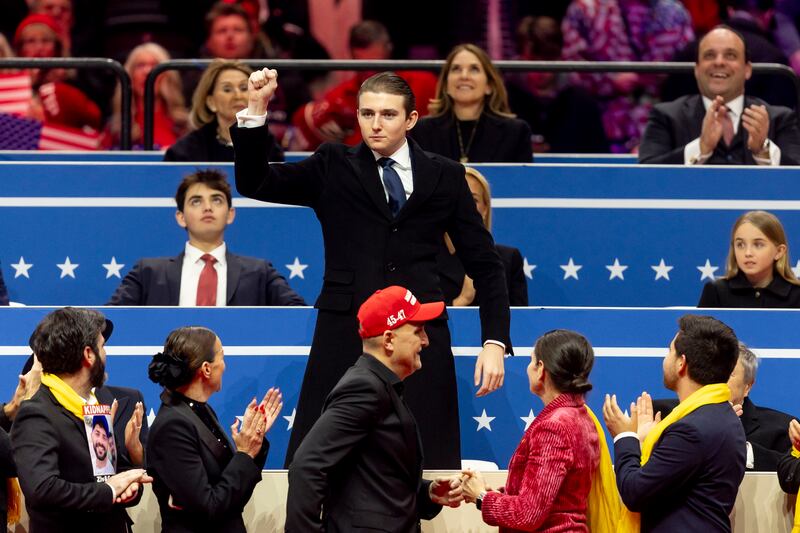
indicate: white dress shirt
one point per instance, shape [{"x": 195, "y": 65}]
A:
[{"x": 190, "y": 274}]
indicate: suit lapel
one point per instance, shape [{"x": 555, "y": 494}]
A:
[
  {"x": 174, "y": 269},
  {"x": 695, "y": 112},
  {"x": 426, "y": 173},
  {"x": 234, "y": 267},
  {"x": 749, "y": 417},
  {"x": 366, "y": 169}
]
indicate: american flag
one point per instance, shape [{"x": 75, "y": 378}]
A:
[
  {"x": 19, "y": 133},
  {"x": 15, "y": 93}
]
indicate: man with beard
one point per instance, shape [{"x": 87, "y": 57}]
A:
[
  {"x": 101, "y": 444},
  {"x": 54, "y": 463}
]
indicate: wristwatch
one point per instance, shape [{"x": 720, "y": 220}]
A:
[{"x": 479, "y": 499}]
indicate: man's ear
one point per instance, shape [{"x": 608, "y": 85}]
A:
[
  {"x": 231, "y": 215},
  {"x": 179, "y": 218},
  {"x": 88, "y": 356},
  {"x": 682, "y": 368}
]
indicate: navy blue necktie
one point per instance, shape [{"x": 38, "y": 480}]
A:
[{"x": 391, "y": 180}]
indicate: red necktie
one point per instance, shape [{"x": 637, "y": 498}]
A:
[
  {"x": 207, "y": 286},
  {"x": 727, "y": 125}
]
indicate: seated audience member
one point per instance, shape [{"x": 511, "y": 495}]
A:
[
  {"x": 764, "y": 428},
  {"x": 3, "y": 290},
  {"x": 759, "y": 272},
  {"x": 457, "y": 287},
  {"x": 51, "y": 447},
  {"x": 205, "y": 273},
  {"x": 332, "y": 118},
  {"x": 366, "y": 441},
  {"x": 169, "y": 113},
  {"x": 552, "y": 471},
  {"x": 789, "y": 465},
  {"x": 201, "y": 478},
  {"x": 563, "y": 117},
  {"x": 61, "y": 12},
  {"x": 721, "y": 125},
  {"x": 624, "y": 30},
  {"x": 682, "y": 473},
  {"x": 470, "y": 118},
  {"x": 57, "y": 101},
  {"x": 220, "y": 94}
]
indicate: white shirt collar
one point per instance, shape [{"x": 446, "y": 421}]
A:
[
  {"x": 402, "y": 157},
  {"x": 735, "y": 106},
  {"x": 193, "y": 254}
]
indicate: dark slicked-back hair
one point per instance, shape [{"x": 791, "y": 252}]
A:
[
  {"x": 391, "y": 83},
  {"x": 213, "y": 179},
  {"x": 711, "y": 348},
  {"x": 61, "y": 336}
]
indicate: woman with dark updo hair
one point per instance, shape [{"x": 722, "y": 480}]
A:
[
  {"x": 561, "y": 469},
  {"x": 202, "y": 479}
]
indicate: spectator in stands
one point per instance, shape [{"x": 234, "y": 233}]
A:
[
  {"x": 220, "y": 94},
  {"x": 202, "y": 479},
  {"x": 169, "y": 112},
  {"x": 624, "y": 30},
  {"x": 764, "y": 428},
  {"x": 457, "y": 287},
  {"x": 759, "y": 272},
  {"x": 55, "y": 471},
  {"x": 332, "y": 118},
  {"x": 61, "y": 12},
  {"x": 563, "y": 117},
  {"x": 470, "y": 114},
  {"x": 551, "y": 473},
  {"x": 683, "y": 473},
  {"x": 721, "y": 125},
  {"x": 206, "y": 273}
]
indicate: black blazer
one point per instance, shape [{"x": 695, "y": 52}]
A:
[
  {"x": 789, "y": 473},
  {"x": 251, "y": 281},
  {"x": 673, "y": 125},
  {"x": 692, "y": 477},
  {"x": 202, "y": 145},
  {"x": 451, "y": 275},
  {"x": 210, "y": 483},
  {"x": 497, "y": 139},
  {"x": 55, "y": 471},
  {"x": 361, "y": 463},
  {"x": 767, "y": 431},
  {"x": 737, "y": 292}
]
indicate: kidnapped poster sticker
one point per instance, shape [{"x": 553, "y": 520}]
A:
[{"x": 100, "y": 437}]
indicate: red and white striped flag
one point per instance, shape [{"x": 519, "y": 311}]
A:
[
  {"x": 58, "y": 137},
  {"x": 20, "y": 133},
  {"x": 15, "y": 93}
]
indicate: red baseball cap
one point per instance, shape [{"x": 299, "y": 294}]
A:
[{"x": 392, "y": 307}]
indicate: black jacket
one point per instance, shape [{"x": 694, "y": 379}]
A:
[
  {"x": 737, "y": 292},
  {"x": 451, "y": 274},
  {"x": 202, "y": 145}
]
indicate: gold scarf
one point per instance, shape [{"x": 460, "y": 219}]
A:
[
  {"x": 66, "y": 395},
  {"x": 796, "y": 525},
  {"x": 604, "y": 506},
  {"x": 709, "y": 394},
  {"x": 13, "y": 501}
]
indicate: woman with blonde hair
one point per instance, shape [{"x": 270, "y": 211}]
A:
[
  {"x": 470, "y": 119},
  {"x": 220, "y": 94},
  {"x": 170, "y": 116},
  {"x": 759, "y": 272}
]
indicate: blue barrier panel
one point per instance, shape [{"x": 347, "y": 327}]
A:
[
  {"x": 266, "y": 347},
  {"x": 572, "y": 223}
]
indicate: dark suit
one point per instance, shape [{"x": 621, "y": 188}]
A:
[
  {"x": 251, "y": 281},
  {"x": 55, "y": 471},
  {"x": 767, "y": 431},
  {"x": 673, "y": 125},
  {"x": 497, "y": 139},
  {"x": 789, "y": 473},
  {"x": 451, "y": 275},
  {"x": 367, "y": 249},
  {"x": 209, "y": 482},
  {"x": 202, "y": 145},
  {"x": 361, "y": 463},
  {"x": 738, "y": 292},
  {"x": 692, "y": 477}
]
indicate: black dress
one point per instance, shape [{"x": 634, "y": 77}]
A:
[
  {"x": 202, "y": 145},
  {"x": 490, "y": 139},
  {"x": 737, "y": 292}
]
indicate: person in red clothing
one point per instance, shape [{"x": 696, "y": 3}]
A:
[{"x": 551, "y": 471}]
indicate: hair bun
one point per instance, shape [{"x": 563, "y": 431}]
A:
[
  {"x": 168, "y": 370},
  {"x": 579, "y": 385}
]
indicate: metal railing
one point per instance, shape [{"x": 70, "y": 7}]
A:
[
  {"x": 436, "y": 65},
  {"x": 88, "y": 63}
]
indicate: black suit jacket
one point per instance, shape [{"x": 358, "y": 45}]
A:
[
  {"x": 361, "y": 463},
  {"x": 767, "y": 431},
  {"x": 497, "y": 139},
  {"x": 209, "y": 482},
  {"x": 251, "y": 281},
  {"x": 692, "y": 477},
  {"x": 789, "y": 473},
  {"x": 55, "y": 471},
  {"x": 673, "y": 125},
  {"x": 202, "y": 145},
  {"x": 737, "y": 292},
  {"x": 451, "y": 275}
]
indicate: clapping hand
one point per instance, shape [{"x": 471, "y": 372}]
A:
[
  {"x": 643, "y": 413},
  {"x": 794, "y": 433},
  {"x": 257, "y": 420},
  {"x": 711, "y": 132},
  {"x": 616, "y": 421}
]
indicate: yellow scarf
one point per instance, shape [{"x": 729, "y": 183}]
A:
[
  {"x": 13, "y": 501},
  {"x": 604, "y": 506},
  {"x": 66, "y": 395},
  {"x": 796, "y": 526},
  {"x": 709, "y": 394}
]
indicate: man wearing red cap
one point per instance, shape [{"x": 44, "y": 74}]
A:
[{"x": 366, "y": 441}]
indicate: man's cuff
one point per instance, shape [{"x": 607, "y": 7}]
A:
[
  {"x": 113, "y": 493},
  {"x": 774, "y": 158},
  {"x": 243, "y": 120},
  {"x": 751, "y": 459},
  {"x": 692, "y": 155},
  {"x": 626, "y": 434},
  {"x": 491, "y": 341}
]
